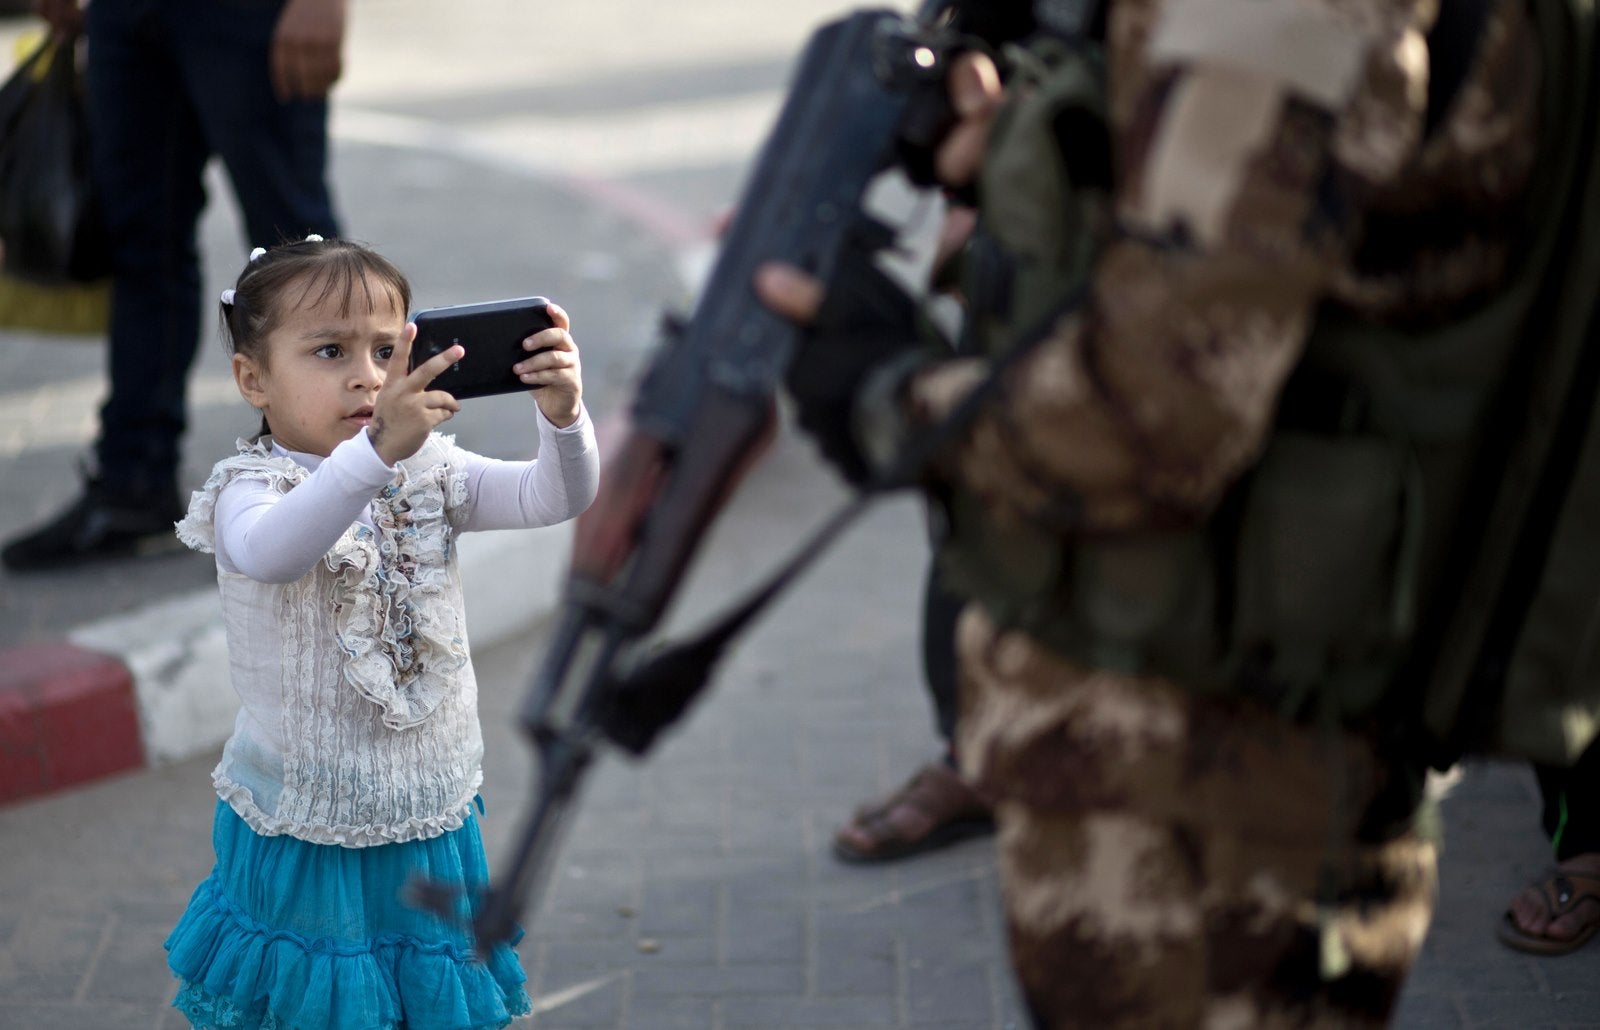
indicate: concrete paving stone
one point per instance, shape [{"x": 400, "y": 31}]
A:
[
  {"x": 650, "y": 952},
  {"x": 602, "y": 1007},
  {"x": 913, "y": 906},
  {"x": 132, "y": 967},
  {"x": 770, "y": 881},
  {"x": 728, "y": 866},
  {"x": 668, "y": 1014},
  {"x": 685, "y": 787},
  {"x": 1502, "y": 781},
  {"x": 79, "y": 1017},
  {"x": 1428, "y": 1012},
  {"x": 760, "y": 833},
  {"x": 696, "y": 891},
  {"x": 559, "y": 966},
  {"x": 778, "y": 766},
  {"x": 773, "y": 711},
  {"x": 623, "y": 796},
  {"x": 578, "y": 925},
  {"x": 956, "y": 894},
  {"x": 1580, "y": 1004},
  {"x": 764, "y": 935},
  {"x": 50, "y": 955},
  {"x": 867, "y": 965},
  {"x": 717, "y": 981},
  {"x": 786, "y": 1013},
  {"x": 687, "y": 919},
  {"x": 953, "y": 991},
  {"x": 1568, "y": 975},
  {"x": 1486, "y": 1010},
  {"x": 1508, "y": 973},
  {"x": 972, "y": 859},
  {"x": 693, "y": 810},
  {"x": 851, "y": 888},
  {"x": 619, "y": 830},
  {"x": 855, "y": 772},
  {"x": 788, "y": 794},
  {"x": 582, "y": 880},
  {"x": 693, "y": 842}
]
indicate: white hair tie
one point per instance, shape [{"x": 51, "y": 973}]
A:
[
  {"x": 257, "y": 253},
  {"x": 313, "y": 238},
  {"x": 227, "y": 297}
]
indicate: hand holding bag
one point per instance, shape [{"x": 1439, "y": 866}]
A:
[{"x": 56, "y": 258}]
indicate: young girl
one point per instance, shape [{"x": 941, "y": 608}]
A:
[{"x": 354, "y": 765}]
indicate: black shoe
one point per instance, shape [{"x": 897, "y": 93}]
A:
[{"x": 100, "y": 525}]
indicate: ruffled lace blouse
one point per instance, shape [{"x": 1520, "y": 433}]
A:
[{"x": 358, "y": 722}]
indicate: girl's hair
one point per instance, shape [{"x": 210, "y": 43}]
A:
[
  {"x": 307, "y": 272},
  {"x": 319, "y": 269}
]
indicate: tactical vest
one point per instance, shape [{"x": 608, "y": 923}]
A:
[{"x": 1419, "y": 544}]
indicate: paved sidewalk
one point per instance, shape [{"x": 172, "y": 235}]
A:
[{"x": 695, "y": 890}]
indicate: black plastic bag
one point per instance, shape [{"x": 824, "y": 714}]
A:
[{"x": 50, "y": 223}]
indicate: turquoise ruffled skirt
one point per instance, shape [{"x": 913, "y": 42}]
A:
[{"x": 288, "y": 935}]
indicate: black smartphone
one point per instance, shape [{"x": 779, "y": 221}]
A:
[{"x": 491, "y": 332}]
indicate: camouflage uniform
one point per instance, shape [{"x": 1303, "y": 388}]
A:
[{"x": 1172, "y": 859}]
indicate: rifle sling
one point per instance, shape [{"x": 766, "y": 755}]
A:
[{"x": 653, "y": 693}]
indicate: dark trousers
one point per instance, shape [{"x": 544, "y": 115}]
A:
[
  {"x": 170, "y": 84},
  {"x": 940, "y": 609},
  {"x": 1571, "y": 814}
]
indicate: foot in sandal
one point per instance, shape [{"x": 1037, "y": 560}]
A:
[
  {"x": 1557, "y": 914},
  {"x": 935, "y": 808}
]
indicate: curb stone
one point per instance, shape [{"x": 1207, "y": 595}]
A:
[{"x": 151, "y": 687}]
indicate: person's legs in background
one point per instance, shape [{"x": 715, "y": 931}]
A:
[
  {"x": 148, "y": 156},
  {"x": 275, "y": 152},
  {"x": 936, "y": 806},
  {"x": 169, "y": 85}
]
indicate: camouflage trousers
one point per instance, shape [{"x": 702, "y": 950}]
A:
[{"x": 1174, "y": 861}]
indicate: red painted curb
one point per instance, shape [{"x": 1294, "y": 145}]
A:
[{"x": 67, "y": 716}]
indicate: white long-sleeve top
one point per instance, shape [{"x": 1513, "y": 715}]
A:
[{"x": 346, "y": 631}]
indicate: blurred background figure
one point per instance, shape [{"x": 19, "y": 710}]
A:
[{"x": 172, "y": 83}]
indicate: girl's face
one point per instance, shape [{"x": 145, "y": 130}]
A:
[{"x": 323, "y": 366}]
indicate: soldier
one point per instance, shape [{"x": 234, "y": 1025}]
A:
[{"x": 1309, "y": 234}]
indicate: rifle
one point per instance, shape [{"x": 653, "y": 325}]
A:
[{"x": 869, "y": 93}]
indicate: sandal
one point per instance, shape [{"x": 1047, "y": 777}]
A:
[
  {"x": 1563, "y": 892},
  {"x": 936, "y": 807}
]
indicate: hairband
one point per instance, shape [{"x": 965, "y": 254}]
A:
[{"x": 227, "y": 295}]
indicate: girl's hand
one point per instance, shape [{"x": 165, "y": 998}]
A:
[
  {"x": 556, "y": 370},
  {"x": 406, "y": 411}
]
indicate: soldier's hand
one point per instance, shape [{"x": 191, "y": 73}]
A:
[{"x": 976, "y": 94}]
